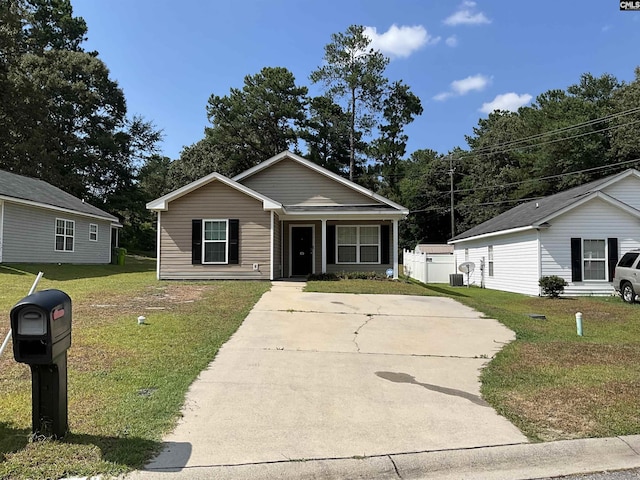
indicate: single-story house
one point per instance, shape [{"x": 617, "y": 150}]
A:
[
  {"x": 578, "y": 234},
  {"x": 39, "y": 223},
  {"x": 285, "y": 217}
]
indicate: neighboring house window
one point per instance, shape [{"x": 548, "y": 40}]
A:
[
  {"x": 358, "y": 244},
  {"x": 466, "y": 254},
  {"x": 491, "y": 260},
  {"x": 214, "y": 241},
  {"x": 594, "y": 259},
  {"x": 64, "y": 235},
  {"x": 93, "y": 232}
]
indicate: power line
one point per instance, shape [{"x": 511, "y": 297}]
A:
[{"x": 611, "y": 116}]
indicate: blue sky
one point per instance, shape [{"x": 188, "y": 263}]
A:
[{"x": 462, "y": 58}]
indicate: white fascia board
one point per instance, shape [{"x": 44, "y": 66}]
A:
[
  {"x": 597, "y": 194},
  {"x": 619, "y": 177},
  {"x": 377, "y": 216},
  {"x": 320, "y": 170},
  {"x": 493, "y": 234},
  {"x": 46, "y": 206},
  {"x": 162, "y": 204}
]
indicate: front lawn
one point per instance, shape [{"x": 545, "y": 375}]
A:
[
  {"x": 550, "y": 382},
  {"x": 126, "y": 382}
]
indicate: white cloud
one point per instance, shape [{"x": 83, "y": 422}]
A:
[
  {"x": 466, "y": 85},
  {"x": 506, "y": 101},
  {"x": 451, "y": 41},
  {"x": 462, "y": 87},
  {"x": 400, "y": 41},
  {"x": 466, "y": 15}
]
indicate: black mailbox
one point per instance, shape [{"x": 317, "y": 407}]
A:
[{"x": 41, "y": 326}]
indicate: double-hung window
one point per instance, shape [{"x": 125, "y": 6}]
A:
[
  {"x": 65, "y": 230},
  {"x": 358, "y": 244},
  {"x": 93, "y": 232},
  {"x": 215, "y": 241},
  {"x": 594, "y": 259}
]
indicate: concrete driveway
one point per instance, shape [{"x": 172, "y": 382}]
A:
[{"x": 326, "y": 376}]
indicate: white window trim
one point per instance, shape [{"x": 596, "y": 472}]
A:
[
  {"x": 226, "y": 241},
  {"x": 358, "y": 245},
  {"x": 64, "y": 236},
  {"x": 90, "y": 232},
  {"x": 605, "y": 260}
]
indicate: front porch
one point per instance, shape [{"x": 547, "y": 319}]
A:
[{"x": 329, "y": 245}]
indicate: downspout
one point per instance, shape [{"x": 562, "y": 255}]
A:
[{"x": 158, "y": 249}]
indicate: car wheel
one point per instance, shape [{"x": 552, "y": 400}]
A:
[{"x": 628, "y": 295}]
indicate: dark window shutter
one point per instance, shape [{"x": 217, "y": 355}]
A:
[
  {"x": 196, "y": 242},
  {"x": 234, "y": 241},
  {"x": 331, "y": 244},
  {"x": 576, "y": 260},
  {"x": 613, "y": 256},
  {"x": 384, "y": 244}
]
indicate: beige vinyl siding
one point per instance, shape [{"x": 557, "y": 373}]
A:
[
  {"x": 291, "y": 183},
  {"x": 215, "y": 201},
  {"x": 29, "y": 237}
]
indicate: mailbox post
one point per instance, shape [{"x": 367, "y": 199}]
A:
[{"x": 41, "y": 326}]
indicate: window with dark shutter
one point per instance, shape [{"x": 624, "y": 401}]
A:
[
  {"x": 384, "y": 240},
  {"x": 331, "y": 244},
  {"x": 576, "y": 260},
  {"x": 196, "y": 242},
  {"x": 612, "y": 244},
  {"x": 234, "y": 241}
]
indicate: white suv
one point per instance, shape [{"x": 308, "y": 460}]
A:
[{"x": 626, "y": 279}]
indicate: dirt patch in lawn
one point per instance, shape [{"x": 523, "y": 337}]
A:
[
  {"x": 162, "y": 297},
  {"x": 562, "y": 354}
]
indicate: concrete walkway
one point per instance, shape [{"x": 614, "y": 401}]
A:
[{"x": 319, "y": 385}]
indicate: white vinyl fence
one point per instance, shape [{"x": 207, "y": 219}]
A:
[{"x": 428, "y": 268}]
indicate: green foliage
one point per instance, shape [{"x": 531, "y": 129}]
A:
[
  {"x": 552, "y": 286},
  {"x": 354, "y": 72},
  {"x": 348, "y": 276},
  {"x": 258, "y": 121}
]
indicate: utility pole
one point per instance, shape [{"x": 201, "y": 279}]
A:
[{"x": 453, "y": 226}]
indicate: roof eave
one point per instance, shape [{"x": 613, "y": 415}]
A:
[
  {"x": 494, "y": 234},
  {"x": 58, "y": 209}
]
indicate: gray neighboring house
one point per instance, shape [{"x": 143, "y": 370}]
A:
[
  {"x": 39, "y": 223},
  {"x": 578, "y": 234}
]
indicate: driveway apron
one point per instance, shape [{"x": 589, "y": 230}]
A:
[{"x": 323, "y": 376}]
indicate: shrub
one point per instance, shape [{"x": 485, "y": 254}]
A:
[
  {"x": 348, "y": 276},
  {"x": 552, "y": 286}
]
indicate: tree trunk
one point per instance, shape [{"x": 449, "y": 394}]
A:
[{"x": 352, "y": 137}]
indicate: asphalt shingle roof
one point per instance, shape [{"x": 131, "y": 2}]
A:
[
  {"x": 529, "y": 213},
  {"x": 39, "y": 191}
]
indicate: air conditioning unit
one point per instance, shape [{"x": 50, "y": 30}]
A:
[{"x": 456, "y": 280}]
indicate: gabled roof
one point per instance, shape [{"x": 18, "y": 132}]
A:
[
  {"x": 323, "y": 171},
  {"x": 161, "y": 204},
  {"x": 34, "y": 192},
  {"x": 535, "y": 213}
]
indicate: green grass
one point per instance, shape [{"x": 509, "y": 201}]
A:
[
  {"x": 126, "y": 382},
  {"x": 392, "y": 287},
  {"x": 550, "y": 382}
]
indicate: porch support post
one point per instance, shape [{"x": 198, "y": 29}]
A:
[
  {"x": 395, "y": 249},
  {"x": 324, "y": 245},
  {"x": 272, "y": 251}
]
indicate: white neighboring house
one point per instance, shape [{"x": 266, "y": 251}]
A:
[
  {"x": 578, "y": 234},
  {"x": 39, "y": 223}
]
